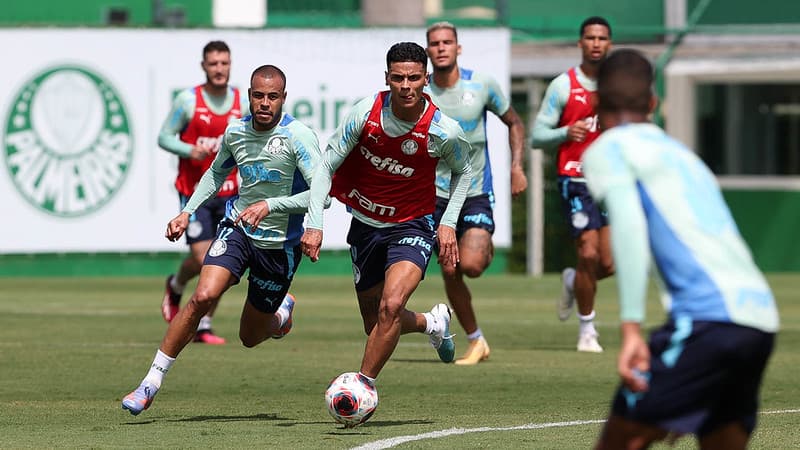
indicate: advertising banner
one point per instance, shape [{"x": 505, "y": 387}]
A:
[{"x": 80, "y": 168}]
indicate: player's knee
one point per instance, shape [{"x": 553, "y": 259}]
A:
[
  {"x": 588, "y": 256},
  {"x": 389, "y": 311},
  {"x": 202, "y": 299},
  {"x": 472, "y": 268}
]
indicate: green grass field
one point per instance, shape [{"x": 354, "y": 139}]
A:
[{"x": 71, "y": 348}]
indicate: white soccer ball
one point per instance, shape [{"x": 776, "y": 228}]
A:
[{"x": 351, "y": 400}]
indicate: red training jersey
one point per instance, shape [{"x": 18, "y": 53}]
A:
[
  {"x": 206, "y": 128},
  {"x": 578, "y": 107},
  {"x": 390, "y": 179}
]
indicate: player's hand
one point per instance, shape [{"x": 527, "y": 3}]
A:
[
  {"x": 252, "y": 215},
  {"x": 177, "y": 226},
  {"x": 199, "y": 152},
  {"x": 519, "y": 181},
  {"x": 448, "y": 245},
  {"x": 311, "y": 242},
  {"x": 577, "y": 131},
  {"x": 633, "y": 362}
]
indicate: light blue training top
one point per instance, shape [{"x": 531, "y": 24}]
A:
[
  {"x": 276, "y": 165},
  {"x": 664, "y": 202},
  {"x": 467, "y": 101}
]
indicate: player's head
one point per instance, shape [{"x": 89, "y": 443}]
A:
[
  {"x": 594, "y": 39},
  {"x": 216, "y": 64},
  {"x": 406, "y": 64},
  {"x": 267, "y": 94},
  {"x": 443, "y": 47},
  {"x": 624, "y": 88}
]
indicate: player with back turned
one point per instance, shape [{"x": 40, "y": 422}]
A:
[{"x": 702, "y": 370}]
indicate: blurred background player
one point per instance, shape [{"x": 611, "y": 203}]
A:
[
  {"x": 381, "y": 163},
  {"x": 567, "y": 121},
  {"x": 276, "y": 156},
  {"x": 466, "y": 96},
  {"x": 192, "y": 131},
  {"x": 702, "y": 370}
]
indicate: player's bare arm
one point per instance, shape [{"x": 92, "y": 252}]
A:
[
  {"x": 253, "y": 214},
  {"x": 311, "y": 242},
  {"x": 448, "y": 245},
  {"x": 516, "y": 141},
  {"x": 177, "y": 226}
]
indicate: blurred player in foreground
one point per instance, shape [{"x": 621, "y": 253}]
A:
[
  {"x": 381, "y": 162},
  {"x": 192, "y": 131},
  {"x": 567, "y": 120},
  {"x": 466, "y": 96},
  {"x": 275, "y": 155},
  {"x": 702, "y": 370}
]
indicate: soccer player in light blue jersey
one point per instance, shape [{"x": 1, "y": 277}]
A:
[
  {"x": 381, "y": 162},
  {"x": 702, "y": 370},
  {"x": 467, "y": 96},
  {"x": 276, "y": 156}
]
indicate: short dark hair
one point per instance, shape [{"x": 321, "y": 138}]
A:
[
  {"x": 268, "y": 71},
  {"x": 625, "y": 82},
  {"x": 594, "y": 20},
  {"x": 215, "y": 46},
  {"x": 406, "y": 52}
]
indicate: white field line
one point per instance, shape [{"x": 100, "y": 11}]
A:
[{"x": 392, "y": 442}]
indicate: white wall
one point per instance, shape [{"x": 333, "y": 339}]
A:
[{"x": 128, "y": 210}]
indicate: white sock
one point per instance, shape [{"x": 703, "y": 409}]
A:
[
  {"x": 370, "y": 379},
  {"x": 282, "y": 313},
  {"x": 472, "y": 336},
  {"x": 587, "y": 323},
  {"x": 569, "y": 279},
  {"x": 175, "y": 286},
  {"x": 159, "y": 368},
  {"x": 430, "y": 326},
  {"x": 205, "y": 323}
]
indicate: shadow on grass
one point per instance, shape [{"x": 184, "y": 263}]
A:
[
  {"x": 252, "y": 417},
  {"x": 363, "y": 429}
]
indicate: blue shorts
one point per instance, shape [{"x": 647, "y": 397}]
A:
[
  {"x": 271, "y": 270},
  {"x": 203, "y": 223},
  {"x": 579, "y": 209},
  {"x": 476, "y": 213},
  {"x": 373, "y": 250},
  {"x": 702, "y": 375}
]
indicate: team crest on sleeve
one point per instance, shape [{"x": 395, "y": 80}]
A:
[
  {"x": 276, "y": 145},
  {"x": 431, "y": 144},
  {"x": 219, "y": 247},
  {"x": 409, "y": 146},
  {"x": 356, "y": 274}
]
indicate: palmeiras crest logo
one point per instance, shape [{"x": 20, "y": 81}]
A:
[{"x": 68, "y": 145}]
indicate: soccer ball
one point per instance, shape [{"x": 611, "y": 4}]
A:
[{"x": 350, "y": 399}]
